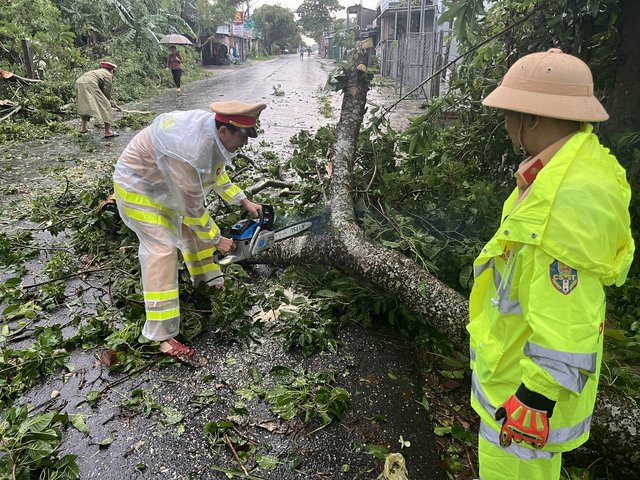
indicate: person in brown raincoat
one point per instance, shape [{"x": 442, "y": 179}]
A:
[
  {"x": 93, "y": 94},
  {"x": 161, "y": 181},
  {"x": 174, "y": 63}
]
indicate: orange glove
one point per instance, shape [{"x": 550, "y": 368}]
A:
[{"x": 526, "y": 418}]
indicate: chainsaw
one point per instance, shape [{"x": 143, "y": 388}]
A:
[{"x": 253, "y": 236}]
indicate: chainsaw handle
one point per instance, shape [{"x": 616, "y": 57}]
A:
[
  {"x": 266, "y": 216},
  {"x": 265, "y": 222}
]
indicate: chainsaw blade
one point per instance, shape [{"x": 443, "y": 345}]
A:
[{"x": 294, "y": 229}]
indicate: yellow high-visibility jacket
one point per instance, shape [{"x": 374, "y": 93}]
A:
[{"x": 537, "y": 306}]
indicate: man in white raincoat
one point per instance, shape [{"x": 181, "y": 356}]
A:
[{"x": 161, "y": 181}]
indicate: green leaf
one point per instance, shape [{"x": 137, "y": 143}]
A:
[
  {"x": 67, "y": 468},
  {"x": 171, "y": 416},
  {"x": 378, "y": 451},
  {"x": 267, "y": 462},
  {"x": 106, "y": 441},
  {"x": 93, "y": 396},
  {"x": 79, "y": 421},
  {"x": 293, "y": 460},
  {"x": 4, "y": 332},
  {"x": 255, "y": 375},
  {"x": 442, "y": 431},
  {"x": 39, "y": 449},
  {"x": 37, "y": 423}
]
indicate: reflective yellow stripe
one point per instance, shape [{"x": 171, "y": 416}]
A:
[
  {"x": 230, "y": 192},
  {"x": 207, "y": 235},
  {"x": 201, "y": 255},
  {"x": 159, "y": 296},
  {"x": 224, "y": 178},
  {"x": 204, "y": 269},
  {"x": 163, "y": 314},
  {"x": 202, "y": 221},
  {"x": 148, "y": 217},
  {"x": 138, "y": 199}
]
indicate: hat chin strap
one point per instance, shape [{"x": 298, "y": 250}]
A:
[{"x": 520, "y": 150}]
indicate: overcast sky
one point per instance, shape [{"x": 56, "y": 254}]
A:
[{"x": 293, "y": 4}]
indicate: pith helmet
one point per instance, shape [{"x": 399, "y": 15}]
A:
[{"x": 550, "y": 84}]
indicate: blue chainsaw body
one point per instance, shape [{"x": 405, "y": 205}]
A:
[{"x": 253, "y": 236}]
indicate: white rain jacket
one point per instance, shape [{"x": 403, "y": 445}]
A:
[{"x": 167, "y": 170}]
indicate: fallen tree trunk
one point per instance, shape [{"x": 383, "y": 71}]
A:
[{"x": 616, "y": 420}]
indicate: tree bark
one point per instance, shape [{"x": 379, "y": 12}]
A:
[{"x": 616, "y": 421}]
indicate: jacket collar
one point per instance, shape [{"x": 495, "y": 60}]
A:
[
  {"x": 525, "y": 221},
  {"x": 530, "y": 167}
]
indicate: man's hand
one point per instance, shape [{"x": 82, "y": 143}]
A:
[
  {"x": 252, "y": 208},
  {"x": 225, "y": 245},
  {"x": 525, "y": 422}
]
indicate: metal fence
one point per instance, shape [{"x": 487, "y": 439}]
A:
[
  {"x": 388, "y": 53},
  {"x": 410, "y": 60}
]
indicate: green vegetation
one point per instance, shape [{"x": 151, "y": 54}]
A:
[
  {"x": 30, "y": 445},
  {"x": 68, "y": 38},
  {"x": 325, "y": 107},
  {"x": 430, "y": 192},
  {"x": 277, "y": 27},
  {"x": 315, "y": 17},
  {"x": 309, "y": 396}
]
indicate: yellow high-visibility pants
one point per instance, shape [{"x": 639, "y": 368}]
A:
[{"x": 515, "y": 462}]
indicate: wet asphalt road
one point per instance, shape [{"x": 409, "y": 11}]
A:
[
  {"x": 300, "y": 83},
  {"x": 375, "y": 366}
]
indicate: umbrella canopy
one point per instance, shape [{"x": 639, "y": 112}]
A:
[{"x": 175, "y": 39}]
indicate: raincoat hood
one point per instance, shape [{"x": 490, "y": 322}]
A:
[
  {"x": 191, "y": 137},
  {"x": 598, "y": 239}
]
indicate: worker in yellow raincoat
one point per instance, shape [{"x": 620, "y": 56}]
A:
[
  {"x": 537, "y": 307},
  {"x": 93, "y": 95},
  {"x": 161, "y": 181}
]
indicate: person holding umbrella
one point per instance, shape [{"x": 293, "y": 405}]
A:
[{"x": 174, "y": 63}]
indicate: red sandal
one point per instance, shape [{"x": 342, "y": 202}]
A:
[{"x": 174, "y": 348}]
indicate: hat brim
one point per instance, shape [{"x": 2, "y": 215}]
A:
[{"x": 577, "y": 108}]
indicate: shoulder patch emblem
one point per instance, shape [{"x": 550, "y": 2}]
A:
[
  {"x": 563, "y": 277},
  {"x": 218, "y": 170},
  {"x": 167, "y": 122}
]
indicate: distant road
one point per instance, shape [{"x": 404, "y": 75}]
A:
[{"x": 298, "y": 108}]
